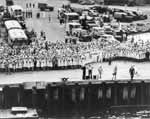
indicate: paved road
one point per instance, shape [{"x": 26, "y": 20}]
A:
[
  {"x": 54, "y": 31},
  {"x": 47, "y": 76}
]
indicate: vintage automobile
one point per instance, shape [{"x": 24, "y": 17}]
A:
[
  {"x": 108, "y": 30},
  {"x": 141, "y": 27},
  {"x": 139, "y": 15},
  {"x": 97, "y": 32},
  {"x": 91, "y": 24},
  {"x": 45, "y": 7},
  {"x": 101, "y": 9},
  {"x": 109, "y": 39},
  {"x": 72, "y": 26},
  {"x": 123, "y": 16},
  {"x": 93, "y": 13},
  {"x": 85, "y": 38},
  {"x": 131, "y": 29},
  {"x": 86, "y": 2}
]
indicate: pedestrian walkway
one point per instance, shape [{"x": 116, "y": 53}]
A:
[
  {"x": 142, "y": 69},
  {"x": 47, "y": 76},
  {"x": 54, "y": 31}
]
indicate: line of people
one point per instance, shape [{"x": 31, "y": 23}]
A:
[
  {"x": 87, "y": 72},
  {"x": 33, "y": 64}
]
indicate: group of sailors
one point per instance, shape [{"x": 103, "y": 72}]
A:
[
  {"x": 52, "y": 62},
  {"x": 88, "y": 72},
  {"x": 31, "y": 64},
  {"x": 128, "y": 50}
]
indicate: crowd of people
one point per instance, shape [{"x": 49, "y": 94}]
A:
[{"x": 43, "y": 55}]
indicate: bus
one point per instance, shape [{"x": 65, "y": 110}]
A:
[
  {"x": 18, "y": 113},
  {"x": 17, "y": 37},
  {"x": 14, "y": 34}
]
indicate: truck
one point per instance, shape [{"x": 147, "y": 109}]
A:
[
  {"x": 18, "y": 113},
  {"x": 45, "y": 7}
]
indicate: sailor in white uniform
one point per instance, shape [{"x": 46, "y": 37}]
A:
[{"x": 37, "y": 64}]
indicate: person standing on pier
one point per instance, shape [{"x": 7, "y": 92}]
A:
[
  {"x": 114, "y": 73},
  {"x": 49, "y": 18},
  {"x": 33, "y": 5},
  {"x": 84, "y": 72},
  {"x": 147, "y": 54},
  {"x": 132, "y": 72},
  {"x": 90, "y": 68},
  {"x": 100, "y": 70},
  {"x": 109, "y": 60}
]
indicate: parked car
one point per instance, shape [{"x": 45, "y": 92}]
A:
[
  {"x": 45, "y": 7},
  {"x": 86, "y": 2},
  {"x": 85, "y": 38},
  {"x": 108, "y": 30},
  {"x": 97, "y": 32},
  {"x": 9, "y": 2},
  {"x": 93, "y": 13},
  {"x": 101, "y": 9},
  {"x": 123, "y": 16},
  {"x": 141, "y": 27},
  {"x": 140, "y": 16}
]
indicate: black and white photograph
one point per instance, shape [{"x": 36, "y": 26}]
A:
[{"x": 74, "y": 59}]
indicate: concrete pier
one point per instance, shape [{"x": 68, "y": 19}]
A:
[{"x": 81, "y": 97}]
